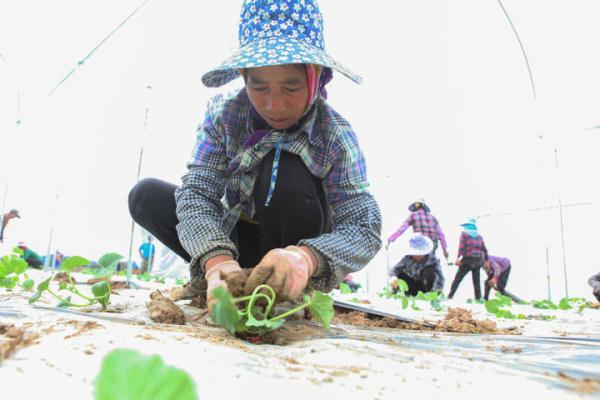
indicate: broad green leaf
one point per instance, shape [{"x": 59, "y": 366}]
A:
[
  {"x": 224, "y": 312},
  {"x": 414, "y": 306},
  {"x": 264, "y": 325},
  {"x": 28, "y": 284},
  {"x": 101, "y": 291},
  {"x": 402, "y": 285},
  {"x": 17, "y": 251},
  {"x": 9, "y": 282},
  {"x": 127, "y": 374},
  {"x": 65, "y": 302},
  {"x": 110, "y": 260},
  {"x": 72, "y": 262},
  {"x": 564, "y": 304},
  {"x": 492, "y": 306},
  {"x": 321, "y": 308},
  {"x": 16, "y": 264},
  {"x": 435, "y": 304},
  {"x": 344, "y": 288},
  {"x": 43, "y": 285}
]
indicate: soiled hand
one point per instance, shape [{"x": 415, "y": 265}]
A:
[
  {"x": 286, "y": 270},
  {"x": 214, "y": 280}
]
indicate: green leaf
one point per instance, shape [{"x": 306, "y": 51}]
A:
[
  {"x": 9, "y": 282},
  {"x": 17, "y": 251},
  {"x": 65, "y": 302},
  {"x": 402, "y": 285},
  {"x": 28, "y": 284},
  {"x": 344, "y": 288},
  {"x": 564, "y": 304},
  {"x": 435, "y": 304},
  {"x": 127, "y": 374},
  {"x": 63, "y": 286},
  {"x": 492, "y": 306},
  {"x": 44, "y": 285},
  {"x": 110, "y": 260},
  {"x": 321, "y": 308},
  {"x": 224, "y": 312},
  {"x": 101, "y": 291},
  {"x": 72, "y": 262},
  {"x": 35, "y": 297},
  {"x": 263, "y": 325},
  {"x": 18, "y": 265},
  {"x": 404, "y": 302}
]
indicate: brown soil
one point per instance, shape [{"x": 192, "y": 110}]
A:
[
  {"x": 113, "y": 285},
  {"x": 456, "y": 320},
  {"x": 63, "y": 277},
  {"x": 194, "y": 290},
  {"x": 83, "y": 327},
  {"x": 292, "y": 331},
  {"x": 236, "y": 281},
  {"x": 164, "y": 311},
  {"x": 14, "y": 338},
  {"x": 585, "y": 385}
]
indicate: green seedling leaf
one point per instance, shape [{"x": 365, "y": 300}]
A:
[
  {"x": 224, "y": 312},
  {"x": 65, "y": 302},
  {"x": 17, "y": 251},
  {"x": 321, "y": 308},
  {"x": 28, "y": 284},
  {"x": 9, "y": 282},
  {"x": 35, "y": 297},
  {"x": 492, "y": 306},
  {"x": 101, "y": 291},
  {"x": 110, "y": 260},
  {"x": 73, "y": 262},
  {"x": 435, "y": 304},
  {"x": 127, "y": 374},
  {"x": 63, "y": 286},
  {"x": 404, "y": 302},
  {"x": 402, "y": 286},
  {"x": 42, "y": 287},
  {"x": 263, "y": 325},
  {"x": 564, "y": 304},
  {"x": 344, "y": 288}
]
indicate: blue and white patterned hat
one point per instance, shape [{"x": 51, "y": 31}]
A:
[
  {"x": 275, "y": 32},
  {"x": 420, "y": 245}
]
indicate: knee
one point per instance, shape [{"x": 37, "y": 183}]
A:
[{"x": 139, "y": 195}]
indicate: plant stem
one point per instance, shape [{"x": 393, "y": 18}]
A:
[
  {"x": 77, "y": 292},
  {"x": 290, "y": 312},
  {"x": 68, "y": 302}
]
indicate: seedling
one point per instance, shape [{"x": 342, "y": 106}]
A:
[
  {"x": 127, "y": 374},
  {"x": 12, "y": 269},
  {"x": 344, "y": 288},
  {"x": 100, "y": 290},
  {"x": 252, "y": 314},
  {"x": 433, "y": 297}
]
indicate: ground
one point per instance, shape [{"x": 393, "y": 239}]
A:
[{"x": 60, "y": 351}]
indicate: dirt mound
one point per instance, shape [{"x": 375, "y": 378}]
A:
[
  {"x": 357, "y": 318},
  {"x": 113, "y": 285},
  {"x": 461, "y": 320},
  {"x": 14, "y": 338},
  {"x": 164, "y": 311},
  {"x": 63, "y": 277}
]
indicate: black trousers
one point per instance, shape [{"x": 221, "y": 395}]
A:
[
  {"x": 297, "y": 210},
  {"x": 468, "y": 264},
  {"x": 500, "y": 285},
  {"x": 423, "y": 283}
]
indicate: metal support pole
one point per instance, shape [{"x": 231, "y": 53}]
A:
[
  {"x": 139, "y": 169},
  {"x": 562, "y": 230},
  {"x": 548, "y": 273}
]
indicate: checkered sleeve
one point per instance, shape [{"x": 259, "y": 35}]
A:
[
  {"x": 461, "y": 244},
  {"x": 594, "y": 282},
  {"x": 441, "y": 236},
  {"x": 484, "y": 250},
  {"x": 401, "y": 230},
  {"x": 355, "y": 237},
  {"x": 198, "y": 199}
]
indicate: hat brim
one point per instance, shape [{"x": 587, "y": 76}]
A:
[
  {"x": 413, "y": 208},
  {"x": 273, "y": 51}
]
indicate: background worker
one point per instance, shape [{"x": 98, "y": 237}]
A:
[
  {"x": 6, "y": 219},
  {"x": 594, "y": 282},
  {"x": 147, "y": 251},
  {"x": 498, "y": 270},
  {"x": 422, "y": 221},
  {"x": 420, "y": 268},
  {"x": 472, "y": 256}
]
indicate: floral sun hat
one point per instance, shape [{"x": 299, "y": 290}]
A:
[
  {"x": 419, "y": 245},
  {"x": 276, "y": 32}
]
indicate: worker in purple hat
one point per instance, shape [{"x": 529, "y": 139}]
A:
[{"x": 277, "y": 181}]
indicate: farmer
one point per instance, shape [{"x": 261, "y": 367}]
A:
[
  {"x": 594, "y": 282},
  {"x": 6, "y": 219},
  {"x": 472, "y": 256},
  {"x": 33, "y": 259},
  {"x": 147, "y": 251},
  {"x": 422, "y": 221},
  {"x": 277, "y": 181},
  {"x": 420, "y": 269},
  {"x": 498, "y": 270}
]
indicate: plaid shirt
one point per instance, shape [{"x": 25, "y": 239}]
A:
[
  {"x": 472, "y": 246},
  {"x": 424, "y": 223},
  {"x": 498, "y": 264},
  {"x": 221, "y": 175},
  {"x": 414, "y": 268}
]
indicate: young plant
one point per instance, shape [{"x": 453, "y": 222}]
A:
[
  {"x": 100, "y": 290},
  {"x": 252, "y": 314},
  {"x": 499, "y": 305},
  {"x": 433, "y": 297},
  {"x": 12, "y": 268},
  {"x": 127, "y": 374}
]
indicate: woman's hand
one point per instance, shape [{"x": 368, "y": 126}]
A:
[
  {"x": 214, "y": 280},
  {"x": 286, "y": 270}
]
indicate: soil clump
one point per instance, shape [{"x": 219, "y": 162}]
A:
[
  {"x": 14, "y": 338},
  {"x": 62, "y": 277},
  {"x": 164, "y": 311},
  {"x": 113, "y": 284}
]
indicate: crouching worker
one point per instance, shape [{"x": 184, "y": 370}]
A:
[
  {"x": 420, "y": 269},
  {"x": 594, "y": 282},
  {"x": 498, "y": 270},
  {"x": 277, "y": 181}
]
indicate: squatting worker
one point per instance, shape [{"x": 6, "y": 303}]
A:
[{"x": 277, "y": 180}]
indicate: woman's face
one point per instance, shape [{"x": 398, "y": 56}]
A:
[{"x": 279, "y": 93}]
